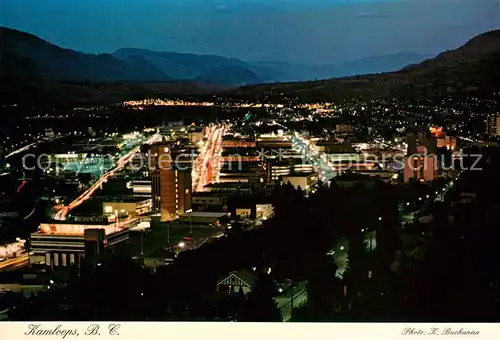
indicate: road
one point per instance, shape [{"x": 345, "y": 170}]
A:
[
  {"x": 15, "y": 263},
  {"x": 120, "y": 164},
  {"x": 319, "y": 160},
  {"x": 207, "y": 166},
  {"x": 24, "y": 148},
  {"x": 29, "y": 146}
]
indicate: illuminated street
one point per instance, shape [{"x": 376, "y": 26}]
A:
[
  {"x": 15, "y": 263},
  {"x": 120, "y": 164},
  {"x": 207, "y": 167},
  {"x": 311, "y": 154}
]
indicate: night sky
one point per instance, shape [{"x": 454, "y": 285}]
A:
[{"x": 299, "y": 31}]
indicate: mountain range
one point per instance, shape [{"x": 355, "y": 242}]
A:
[
  {"x": 141, "y": 65},
  {"x": 31, "y": 67}
]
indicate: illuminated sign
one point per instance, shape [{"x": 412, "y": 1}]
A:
[{"x": 436, "y": 130}]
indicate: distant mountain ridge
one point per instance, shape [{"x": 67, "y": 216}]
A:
[
  {"x": 142, "y": 65},
  {"x": 367, "y": 65},
  {"x": 192, "y": 66},
  {"x": 69, "y": 65},
  {"x": 188, "y": 66},
  {"x": 474, "y": 67},
  {"x": 230, "y": 75}
]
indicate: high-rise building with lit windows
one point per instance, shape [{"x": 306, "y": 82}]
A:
[
  {"x": 421, "y": 167},
  {"x": 494, "y": 125},
  {"x": 171, "y": 181}
]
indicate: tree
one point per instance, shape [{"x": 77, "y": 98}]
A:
[{"x": 260, "y": 305}]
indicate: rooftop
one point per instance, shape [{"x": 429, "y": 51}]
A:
[
  {"x": 301, "y": 174},
  {"x": 123, "y": 199},
  {"x": 204, "y": 214}
]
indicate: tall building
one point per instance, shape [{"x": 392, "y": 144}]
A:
[
  {"x": 493, "y": 127},
  {"x": 421, "y": 167},
  {"x": 171, "y": 188}
]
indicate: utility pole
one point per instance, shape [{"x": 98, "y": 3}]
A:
[
  {"x": 190, "y": 211},
  {"x": 168, "y": 232},
  {"x": 142, "y": 242}
]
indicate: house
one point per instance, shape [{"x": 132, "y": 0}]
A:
[{"x": 237, "y": 281}]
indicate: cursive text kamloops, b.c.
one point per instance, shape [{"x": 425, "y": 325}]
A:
[{"x": 61, "y": 331}]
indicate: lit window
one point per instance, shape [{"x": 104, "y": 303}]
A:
[{"x": 108, "y": 209}]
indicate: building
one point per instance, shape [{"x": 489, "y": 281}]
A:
[
  {"x": 171, "y": 181},
  {"x": 343, "y": 128},
  {"x": 196, "y": 217},
  {"x": 202, "y": 201},
  {"x": 130, "y": 206},
  {"x": 328, "y": 146},
  {"x": 270, "y": 142},
  {"x": 62, "y": 244},
  {"x": 305, "y": 181},
  {"x": 49, "y": 134},
  {"x": 431, "y": 143},
  {"x": 448, "y": 142},
  {"x": 231, "y": 142},
  {"x": 412, "y": 144},
  {"x": 278, "y": 168},
  {"x": 421, "y": 167},
  {"x": 141, "y": 187},
  {"x": 244, "y": 212},
  {"x": 195, "y": 134},
  {"x": 264, "y": 211},
  {"x": 493, "y": 126},
  {"x": 237, "y": 282},
  {"x": 229, "y": 187}
]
